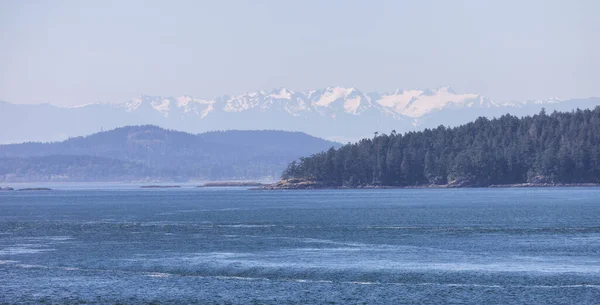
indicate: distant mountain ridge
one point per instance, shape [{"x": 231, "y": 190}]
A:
[
  {"x": 335, "y": 113},
  {"x": 329, "y": 101},
  {"x": 149, "y": 153}
]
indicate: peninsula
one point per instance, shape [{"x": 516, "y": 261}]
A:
[{"x": 558, "y": 149}]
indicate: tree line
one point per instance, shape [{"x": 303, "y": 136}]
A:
[
  {"x": 562, "y": 147},
  {"x": 150, "y": 152}
]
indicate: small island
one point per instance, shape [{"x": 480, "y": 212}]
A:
[
  {"x": 232, "y": 184},
  {"x": 6, "y": 188},
  {"x": 159, "y": 186}
]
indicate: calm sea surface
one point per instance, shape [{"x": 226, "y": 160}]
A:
[{"x": 486, "y": 246}]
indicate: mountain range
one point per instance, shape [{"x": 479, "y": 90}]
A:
[
  {"x": 151, "y": 153},
  {"x": 335, "y": 113}
]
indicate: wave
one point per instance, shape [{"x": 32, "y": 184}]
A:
[
  {"x": 224, "y": 277},
  {"x": 4, "y": 262},
  {"x": 244, "y": 226},
  {"x": 23, "y": 249}
]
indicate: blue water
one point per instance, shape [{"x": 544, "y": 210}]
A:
[{"x": 486, "y": 246}]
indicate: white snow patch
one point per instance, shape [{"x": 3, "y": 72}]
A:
[
  {"x": 133, "y": 105},
  {"x": 399, "y": 99},
  {"x": 332, "y": 94},
  {"x": 183, "y": 101},
  {"x": 282, "y": 94},
  {"x": 240, "y": 103},
  {"x": 195, "y": 106},
  {"x": 351, "y": 105},
  {"x": 83, "y": 105},
  {"x": 162, "y": 106},
  {"x": 207, "y": 110},
  {"x": 417, "y": 103}
]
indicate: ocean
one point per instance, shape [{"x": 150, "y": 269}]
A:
[{"x": 235, "y": 246}]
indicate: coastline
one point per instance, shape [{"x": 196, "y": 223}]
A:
[
  {"x": 275, "y": 187},
  {"x": 313, "y": 186},
  {"x": 232, "y": 184}
]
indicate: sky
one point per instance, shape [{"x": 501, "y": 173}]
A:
[{"x": 78, "y": 52}]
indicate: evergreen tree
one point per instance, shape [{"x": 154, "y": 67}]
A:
[{"x": 555, "y": 148}]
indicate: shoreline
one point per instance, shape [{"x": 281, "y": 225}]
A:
[
  {"x": 375, "y": 187},
  {"x": 11, "y": 189},
  {"x": 156, "y": 186},
  {"x": 275, "y": 187},
  {"x": 233, "y": 184}
]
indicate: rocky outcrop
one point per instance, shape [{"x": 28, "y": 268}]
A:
[
  {"x": 539, "y": 179},
  {"x": 159, "y": 186},
  {"x": 301, "y": 184},
  {"x": 546, "y": 185},
  {"x": 232, "y": 184},
  {"x": 294, "y": 184}
]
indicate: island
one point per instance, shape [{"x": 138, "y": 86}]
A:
[
  {"x": 232, "y": 184},
  {"x": 6, "y": 188},
  {"x": 545, "y": 150},
  {"x": 36, "y": 189},
  {"x": 159, "y": 186}
]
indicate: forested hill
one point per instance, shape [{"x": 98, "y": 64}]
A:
[
  {"x": 149, "y": 152},
  {"x": 563, "y": 147}
]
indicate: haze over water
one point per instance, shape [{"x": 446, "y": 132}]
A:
[{"x": 489, "y": 246}]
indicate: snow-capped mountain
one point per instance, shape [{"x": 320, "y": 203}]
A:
[
  {"x": 328, "y": 102},
  {"x": 335, "y": 113},
  {"x": 183, "y": 105}
]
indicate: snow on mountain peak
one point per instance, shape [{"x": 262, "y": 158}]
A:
[
  {"x": 413, "y": 103},
  {"x": 133, "y": 105},
  {"x": 435, "y": 101},
  {"x": 416, "y": 103},
  {"x": 332, "y": 94},
  {"x": 162, "y": 106},
  {"x": 447, "y": 89},
  {"x": 188, "y": 101},
  {"x": 183, "y": 101},
  {"x": 398, "y": 100},
  {"x": 190, "y": 105},
  {"x": 352, "y": 104},
  {"x": 283, "y": 93}
]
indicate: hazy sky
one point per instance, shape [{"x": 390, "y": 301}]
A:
[{"x": 75, "y": 52}]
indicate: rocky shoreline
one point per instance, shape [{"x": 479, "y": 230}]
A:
[
  {"x": 232, "y": 184},
  {"x": 159, "y": 186},
  {"x": 296, "y": 184},
  {"x": 25, "y": 189},
  {"x": 545, "y": 185}
]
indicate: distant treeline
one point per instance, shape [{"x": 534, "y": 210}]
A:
[
  {"x": 149, "y": 153},
  {"x": 563, "y": 147},
  {"x": 73, "y": 168}
]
